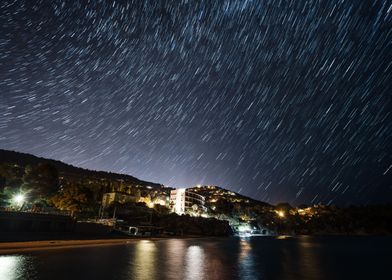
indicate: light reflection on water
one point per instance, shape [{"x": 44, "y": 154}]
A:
[
  {"x": 174, "y": 258},
  {"x": 194, "y": 267},
  {"x": 143, "y": 265},
  {"x": 12, "y": 267},
  {"x": 246, "y": 261},
  {"x": 8, "y": 267},
  {"x": 310, "y": 263},
  {"x": 215, "y": 258}
]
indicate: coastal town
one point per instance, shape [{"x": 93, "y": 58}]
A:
[{"x": 49, "y": 199}]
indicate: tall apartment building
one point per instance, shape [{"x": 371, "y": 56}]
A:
[{"x": 182, "y": 201}]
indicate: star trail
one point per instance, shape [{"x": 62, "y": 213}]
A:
[{"x": 278, "y": 100}]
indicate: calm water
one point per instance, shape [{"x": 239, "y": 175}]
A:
[{"x": 226, "y": 258}]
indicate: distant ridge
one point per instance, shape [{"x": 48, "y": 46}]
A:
[{"x": 23, "y": 159}]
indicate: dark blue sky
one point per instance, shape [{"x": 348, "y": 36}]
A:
[{"x": 279, "y": 100}]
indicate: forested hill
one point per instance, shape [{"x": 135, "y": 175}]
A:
[{"x": 23, "y": 159}]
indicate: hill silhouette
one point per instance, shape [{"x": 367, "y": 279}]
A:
[{"x": 23, "y": 159}]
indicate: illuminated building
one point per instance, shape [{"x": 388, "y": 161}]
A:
[{"x": 183, "y": 200}]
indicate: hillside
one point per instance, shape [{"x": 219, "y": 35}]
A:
[
  {"x": 214, "y": 193},
  {"x": 22, "y": 159}
]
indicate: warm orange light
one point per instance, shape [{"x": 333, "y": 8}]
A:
[{"x": 280, "y": 213}]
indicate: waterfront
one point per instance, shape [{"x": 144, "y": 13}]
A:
[{"x": 211, "y": 258}]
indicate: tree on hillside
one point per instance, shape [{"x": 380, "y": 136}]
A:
[
  {"x": 10, "y": 175},
  {"x": 74, "y": 198},
  {"x": 41, "y": 180},
  {"x": 222, "y": 206},
  {"x": 147, "y": 199},
  {"x": 161, "y": 210},
  {"x": 137, "y": 195}
]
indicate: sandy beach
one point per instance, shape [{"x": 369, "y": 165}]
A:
[{"x": 33, "y": 246}]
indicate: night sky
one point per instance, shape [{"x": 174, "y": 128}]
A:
[{"x": 278, "y": 100}]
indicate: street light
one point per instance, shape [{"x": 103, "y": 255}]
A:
[
  {"x": 19, "y": 200},
  {"x": 280, "y": 213}
]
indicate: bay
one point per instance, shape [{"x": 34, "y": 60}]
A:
[{"x": 301, "y": 257}]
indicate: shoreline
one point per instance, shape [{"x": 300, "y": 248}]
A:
[
  {"x": 9, "y": 248},
  {"x": 16, "y": 247}
]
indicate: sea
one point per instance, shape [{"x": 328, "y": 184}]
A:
[{"x": 279, "y": 257}]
